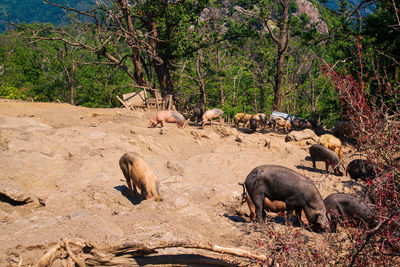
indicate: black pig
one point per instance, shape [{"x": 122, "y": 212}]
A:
[
  {"x": 341, "y": 207},
  {"x": 283, "y": 184},
  {"x": 320, "y": 153},
  {"x": 253, "y": 124},
  {"x": 359, "y": 168},
  {"x": 300, "y": 124},
  {"x": 197, "y": 113}
]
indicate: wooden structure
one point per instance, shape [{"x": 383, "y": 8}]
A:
[{"x": 140, "y": 99}]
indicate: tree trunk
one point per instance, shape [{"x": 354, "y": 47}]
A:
[
  {"x": 202, "y": 84},
  {"x": 71, "y": 83},
  {"x": 163, "y": 77},
  {"x": 138, "y": 72},
  {"x": 313, "y": 104},
  {"x": 161, "y": 68},
  {"x": 278, "y": 83},
  {"x": 69, "y": 74},
  {"x": 221, "y": 89},
  {"x": 282, "y": 47}
]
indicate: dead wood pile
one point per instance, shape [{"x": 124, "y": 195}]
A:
[{"x": 139, "y": 254}]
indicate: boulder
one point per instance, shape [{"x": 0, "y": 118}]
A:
[{"x": 301, "y": 135}]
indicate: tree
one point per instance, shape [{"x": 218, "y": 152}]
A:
[{"x": 154, "y": 29}]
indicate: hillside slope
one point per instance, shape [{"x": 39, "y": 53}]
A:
[{"x": 65, "y": 159}]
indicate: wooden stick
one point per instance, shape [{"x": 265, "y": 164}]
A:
[
  {"x": 76, "y": 259},
  {"x": 144, "y": 87},
  {"x": 48, "y": 258},
  {"x": 125, "y": 253},
  {"x": 123, "y": 102},
  {"x": 146, "y": 99}
]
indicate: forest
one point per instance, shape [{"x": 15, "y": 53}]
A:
[
  {"x": 251, "y": 56},
  {"x": 306, "y": 58}
]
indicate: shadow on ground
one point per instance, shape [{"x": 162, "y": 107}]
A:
[{"x": 125, "y": 192}]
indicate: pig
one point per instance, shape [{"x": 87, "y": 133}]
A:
[
  {"x": 197, "y": 113},
  {"x": 138, "y": 174},
  {"x": 241, "y": 117},
  {"x": 280, "y": 122},
  {"x": 341, "y": 207},
  {"x": 253, "y": 124},
  {"x": 260, "y": 118},
  {"x": 300, "y": 124},
  {"x": 360, "y": 168},
  {"x": 342, "y": 128},
  {"x": 331, "y": 142},
  {"x": 317, "y": 128},
  {"x": 212, "y": 114},
  {"x": 270, "y": 206},
  {"x": 320, "y": 153},
  {"x": 167, "y": 116},
  {"x": 280, "y": 183}
]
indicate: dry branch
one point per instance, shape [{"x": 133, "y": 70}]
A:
[{"x": 125, "y": 253}]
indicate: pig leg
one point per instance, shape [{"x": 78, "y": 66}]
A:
[
  {"x": 132, "y": 188},
  {"x": 259, "y": 206},
  {"x": 287, "y": 217},
  {"x": 221, "y": 121},
  {"x": 162, "y": 123},
  {"x": 313, "y": 164},
  {"x": 126, "y": 170},
  {"x": 326, "y": 166},
  {"x": 298, "y": 215}
]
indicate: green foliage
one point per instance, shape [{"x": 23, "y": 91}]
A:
[
  {"x": 12, "y": 93},
  {"x": 239, "y": 57}
]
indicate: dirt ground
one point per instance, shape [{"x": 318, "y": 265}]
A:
[{"x": 63, "y": 161}]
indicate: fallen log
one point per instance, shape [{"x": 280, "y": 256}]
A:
[{"x": 139, "y": 254}]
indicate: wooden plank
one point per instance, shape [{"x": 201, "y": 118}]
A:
[
  {"x": 128, "y": 96},
  {"x": 157, "y": 101},
  {"x": 146, "y": 99},
  {"x": 123, "y": 103}
]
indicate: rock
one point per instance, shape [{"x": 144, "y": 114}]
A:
[
  {"x": 223, "y": 131},
  {"x": 267, "y": 143},
  {"x": 301, "y": 135},
  {"x": 15, "y": 196},
  {"x": 239, "y": 138},
  {"x": 307, "y": 7},
  {"x": 205, "y": 136}
]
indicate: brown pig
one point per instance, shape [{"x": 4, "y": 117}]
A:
[
  {"x": 281, "y": 122},
  {"x": 260, "y": 118},
  {"x": 241, "y": 117},
  {"x": 139, "y": 174},
  {"x": 167, "y": 116},
  {"x": 332, "y": 143},
  {"x": 212, "y": 114}
]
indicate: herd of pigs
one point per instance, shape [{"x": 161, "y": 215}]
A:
[{"x": 271, "y": 187}]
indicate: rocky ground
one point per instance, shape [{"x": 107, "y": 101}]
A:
[{"x": 60, "y": 179}]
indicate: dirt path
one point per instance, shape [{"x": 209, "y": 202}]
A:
[{"x": 65, "y": 159}]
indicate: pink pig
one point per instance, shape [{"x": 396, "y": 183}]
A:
[
  {"x": 212, "y": 114},
  {"x": 167, "y": 116}
]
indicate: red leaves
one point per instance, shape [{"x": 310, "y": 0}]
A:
[{"x": 376, "y": 129}]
